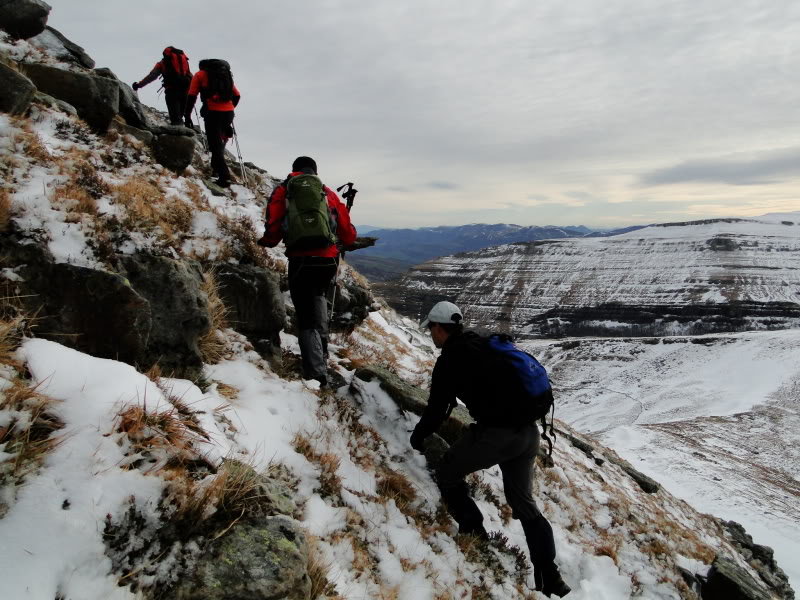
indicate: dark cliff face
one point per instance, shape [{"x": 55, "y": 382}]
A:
[{"x": 726, "y": 275}]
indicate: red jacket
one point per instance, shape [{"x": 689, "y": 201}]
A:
[{"x": 276, "y": 213}]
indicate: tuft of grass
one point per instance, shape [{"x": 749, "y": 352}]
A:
[
  {"x": 32, "y": 145},
  {"x": 85, "y": 175},
  {"x": 212, "y": 346},
  {"x": 28, "y": 436},
  {"x": 229, "y": 392},
  {"x": 139, "y": 197},
  {"x": 6, "y": 212},
  {"x": 393, "y": 485},
  {"x": 242, "y": 241},
  {"x": 78, "y": 199},
  {"x": 330, "y": 484},
  {"x": 319, "y": 568}
]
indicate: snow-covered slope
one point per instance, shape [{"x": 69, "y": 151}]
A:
[
  {"x": 725, "y": 274},
  {"x": 714, "y": 418}
]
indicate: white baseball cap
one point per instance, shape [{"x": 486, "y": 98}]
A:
[{"x": 443, "y": 312}]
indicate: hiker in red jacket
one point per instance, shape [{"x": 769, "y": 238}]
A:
[
  {"x": 174, "y": 71},
  {"x": 313, "y": 255},
  {"x": 214, "y": 83}
]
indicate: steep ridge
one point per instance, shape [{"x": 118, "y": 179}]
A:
[{"x": 695, "y": 277}]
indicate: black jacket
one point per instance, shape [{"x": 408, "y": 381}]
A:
[{"x": 462, "y": 372}]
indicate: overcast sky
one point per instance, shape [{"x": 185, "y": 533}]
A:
[{"x": 445, "y": 112}]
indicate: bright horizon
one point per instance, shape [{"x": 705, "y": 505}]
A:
[{"x": 513, "y": 112}]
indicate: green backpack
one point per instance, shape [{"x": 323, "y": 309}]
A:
[{"x": 309, "y": 223}]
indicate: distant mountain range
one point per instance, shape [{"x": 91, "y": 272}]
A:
[
  {"x": 397, "y": 250},
  {"x": 671, "y": 279}
]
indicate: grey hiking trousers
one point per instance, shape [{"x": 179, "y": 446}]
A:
[
  {"x": 309, "y": 279},
  {"x": 513, "y": 449}
]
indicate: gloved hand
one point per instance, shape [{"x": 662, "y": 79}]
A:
[
  {"x": 417, "y": 441},
  {"x": 135, "y": 86}
]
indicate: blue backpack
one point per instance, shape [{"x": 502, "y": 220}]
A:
[{"x": 521, "y": 381}]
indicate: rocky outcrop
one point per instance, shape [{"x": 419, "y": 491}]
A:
[
  {"x": 129, "y": 106},
  {"x": 119, "y": 125},
  {"x": 257, "y": 559},
  {"x": 57, "y": 45},
  {"x": 92, "y": 311},
  {"x": 23, "y": 19},
  {"x": 95, "y": 98},
  {"x": 179, "y": 310},
  {"x": 727, "y": 581},
  {"x": 761, "y": 558},
  {"x": 55, "y": 103},
  {"x": 352, "y": 304},
  {"x": 255, "y": 304},
  {"x": 16, "y": 91}
]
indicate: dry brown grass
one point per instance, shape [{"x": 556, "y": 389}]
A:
[
  {"x": 242, "y": 241},
  {"x": 158, "y": 429},
  {"x": 28, "y": 437},
  {"x": 319, "y": 570},
  {"x": 393, "y": 485},
  {"x": 75, "y": 198},
  {"x": 229, "y": 392},
  {"x": 32, "y": 145},
  {"x": 330, "y": 484},
  {"x": 5, "y": 209},
  {"x": 139, "y": 197},
  {"x": 196, "y": 196},
  {"x": 212, "y": 346},
  {"x": 11, "y": 330}
]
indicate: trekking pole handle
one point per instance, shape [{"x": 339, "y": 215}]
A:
[{"x": 349, "y": 194}]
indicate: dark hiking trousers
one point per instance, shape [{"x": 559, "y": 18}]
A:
[
  {"x": 219, "y": 125},
  {"x": 176, "y": 103},
  {"x": 514, "y": 450},
  {"x": 309, "y": 280}
]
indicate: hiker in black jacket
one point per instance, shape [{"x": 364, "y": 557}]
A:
[{"x": 497, "y": 438}]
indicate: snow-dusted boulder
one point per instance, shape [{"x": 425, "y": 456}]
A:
[
  {"x": 92, "y": 311},
  {"x": 255, "y": 303},
  {"x": 179, "y": 308},
  {"x": 23, "y": 19},
  {"x": 129, "y": 106},
  {"x": 16, "y": 91},
  {"x": 55, "y": 103},
  {"x": 175, "y": 152},
  {"x": 257, "y": 559},
  {"x": 57, "y": 45},
  {"x": 95, "y": 98}
]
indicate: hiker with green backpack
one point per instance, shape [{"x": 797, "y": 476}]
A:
[
  {"x": 506, "y": 392},
  {"x": 311, "y": 220}
]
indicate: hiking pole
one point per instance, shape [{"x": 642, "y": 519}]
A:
[
  {"x": 241, "y": 162},
  {"x": 350, "y": 196},
  {"x": 202, "y": 133}
]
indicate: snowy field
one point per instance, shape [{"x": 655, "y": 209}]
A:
[{"x": 716, "y": 419}]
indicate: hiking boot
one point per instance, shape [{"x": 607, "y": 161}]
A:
[
  {"x": 549, "y": 582},
  {"x": 223, "y": 183},
  {"x": 478, "y": 530}
]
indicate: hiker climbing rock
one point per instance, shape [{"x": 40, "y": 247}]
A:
[
  {"x": 504, "y": 434},
  {"x": 174, "y": 71},
  {"x": 310, "y": 218},
  {"x": 214, "y": 83}
]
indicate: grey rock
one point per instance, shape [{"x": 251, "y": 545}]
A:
[
  {"x": 174, "y": 152},
  {"x": 351, "y": 306},
  {"x": 179, "y": 309},
  {"x": 256, "y": 560},
  {"x": 215, "y": 189},
  {"x": 16, "y": 91},
  {"x": 56, "y": 44},
  {"x": 95, "y": 98},
  {"x": 92, "y": 311},
  {"x": 761, "y": 558},
  {"x": 269, "y": 496},
  {"x": 412, "y": 399},
  {"x": 105, "y": 72},
  {"x": 130, "y": 108},
  {"x": 23, "y": 19},
  {"x": 173, "y": 130},
  {"x": 255, "y": 303},
  {"x": 124, "y": 129},
  {"x": 55, "y": 103},
  {"x": 727, "y": 581}
]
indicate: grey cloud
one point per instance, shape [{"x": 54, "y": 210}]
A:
[
  {"x": 738, "y": 169},
  {"x": 442, "y": 185},
  {"x": 401, "y": 189}
]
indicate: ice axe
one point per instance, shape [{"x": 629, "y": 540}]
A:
[{"x": 349, "y": 194}]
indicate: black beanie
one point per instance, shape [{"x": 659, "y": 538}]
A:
[{"x": 301, "y": 163}]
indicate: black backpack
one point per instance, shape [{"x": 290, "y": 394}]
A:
[
  {"x": 176, "y": 72},
  {"x": 220, "y": 80}
]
